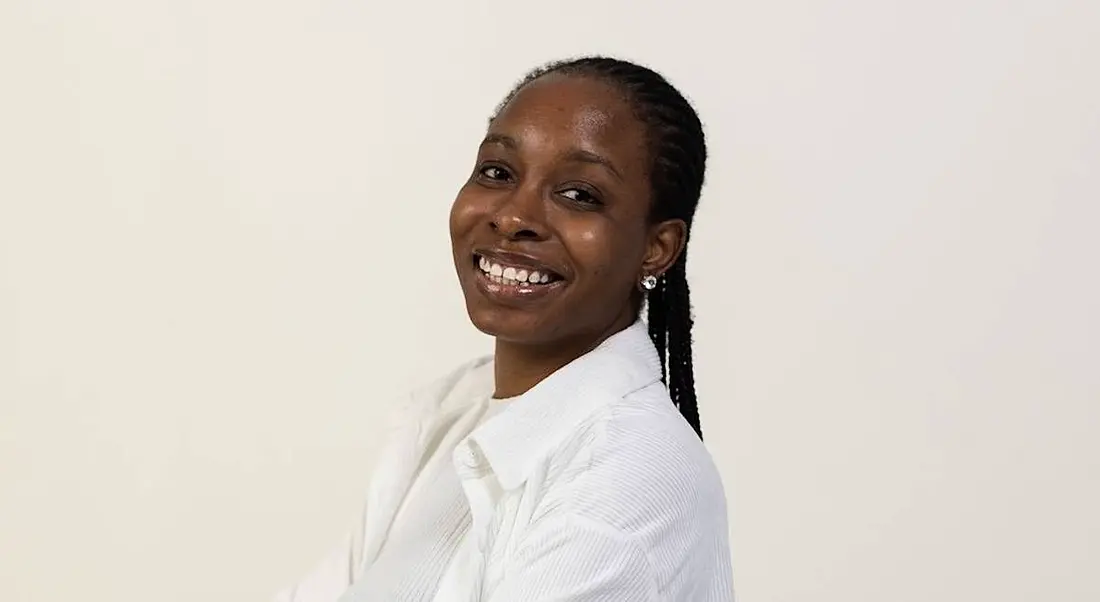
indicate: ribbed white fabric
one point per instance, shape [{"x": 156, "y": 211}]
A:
[
  {"x": 426, "y": 534},
  {"x": 589, "y": 487}
]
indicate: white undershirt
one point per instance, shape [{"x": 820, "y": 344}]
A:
[{"x": 429, "y": 529}]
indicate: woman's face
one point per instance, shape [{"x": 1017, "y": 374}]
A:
[{"x": 551, "y": 232}]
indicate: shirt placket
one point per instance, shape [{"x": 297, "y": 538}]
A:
[{"x": 482, "y": 493}]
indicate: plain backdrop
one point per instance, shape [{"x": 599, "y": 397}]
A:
[{"x": 223, "y": 252}]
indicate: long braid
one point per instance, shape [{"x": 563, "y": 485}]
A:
[{"x": 678, "y": 151}]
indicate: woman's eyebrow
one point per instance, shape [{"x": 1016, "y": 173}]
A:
[
  {"x": 576, "y": 155},
  {"x": 584, "y": 156},
  {"x": 501, "y": 139}
]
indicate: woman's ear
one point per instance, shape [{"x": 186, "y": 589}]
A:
[{"x": 666, "y": 242}]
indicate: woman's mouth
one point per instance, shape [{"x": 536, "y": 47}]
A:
[
  {"x": 514, "y": 281},
  {"x": 500, "y": 272}
]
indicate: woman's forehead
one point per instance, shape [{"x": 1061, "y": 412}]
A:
[{"x": 586, "y": 113}]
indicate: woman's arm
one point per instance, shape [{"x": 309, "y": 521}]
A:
[
  {"x": 331, "y": 577},
  {"x": 580, "y": 560}
]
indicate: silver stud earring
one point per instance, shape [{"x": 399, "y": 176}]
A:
[{"x": 649, "y": 282}]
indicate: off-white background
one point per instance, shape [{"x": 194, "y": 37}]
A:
[{"x": 223, "y": 251}]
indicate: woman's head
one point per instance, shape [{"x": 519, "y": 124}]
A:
[{"x": 586, "y": 183}]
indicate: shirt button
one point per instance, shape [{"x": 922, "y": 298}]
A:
[{"x": 465, "y": 457}]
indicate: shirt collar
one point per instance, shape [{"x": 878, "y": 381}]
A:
[{"x": 515, "y": 441}]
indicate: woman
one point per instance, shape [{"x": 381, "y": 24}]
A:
[{"x": 562, "y": 468}]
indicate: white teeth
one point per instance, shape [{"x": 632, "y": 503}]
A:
[{"x": 511, "y": 275}]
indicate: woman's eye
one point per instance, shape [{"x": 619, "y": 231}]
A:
[
  {"x": 494, "y": 172},
  {"x": 580, "y": 195}
]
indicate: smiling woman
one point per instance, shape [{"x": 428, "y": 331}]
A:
[{"x": 567, "y": 466}]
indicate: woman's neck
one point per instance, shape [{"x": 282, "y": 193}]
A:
[{"x": 518, "y": 367}]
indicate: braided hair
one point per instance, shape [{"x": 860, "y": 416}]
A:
[{"x": 678, "y": 153}]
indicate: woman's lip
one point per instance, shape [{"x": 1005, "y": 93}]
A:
[
  {"x": 514, "y": 294},
  {"x": 507, "y": 258}
]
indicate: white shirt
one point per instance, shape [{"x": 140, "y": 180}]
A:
[
  {"x": 589, "y": 487},
  {"x": 427, "y": 532}
]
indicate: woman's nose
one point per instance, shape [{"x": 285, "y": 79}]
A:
[{"x": 521, "y": 216}]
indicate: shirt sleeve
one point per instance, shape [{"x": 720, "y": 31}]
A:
[
  {"x": 336, "y": 572},
  {"x": 579, "y": 560},
  {"x": 329, "y": 578}
]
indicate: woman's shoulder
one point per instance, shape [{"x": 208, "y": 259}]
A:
[
  {"x": 639, "y": 454},
  {"x": 646, "y": 475},
  {"x": 645, "y": 435}
]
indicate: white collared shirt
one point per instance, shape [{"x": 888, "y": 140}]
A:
[{"x": 589, "y": 487}]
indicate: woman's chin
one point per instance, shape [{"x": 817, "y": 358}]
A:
[{"x": 510, "y": 325}]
